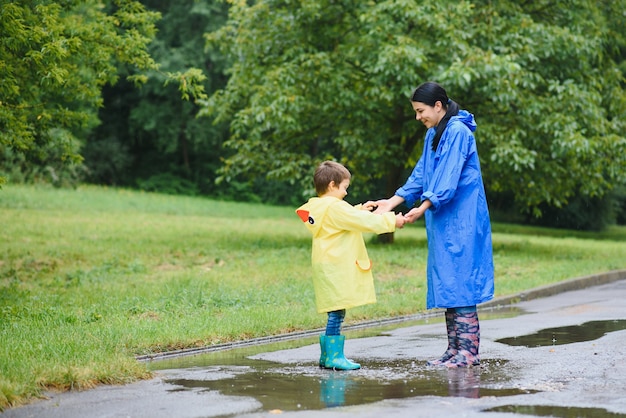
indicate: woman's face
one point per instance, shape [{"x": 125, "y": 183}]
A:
[{"x": 428, "y": 115}]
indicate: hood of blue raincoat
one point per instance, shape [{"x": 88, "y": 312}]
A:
[{"x": 466, "y": 118}]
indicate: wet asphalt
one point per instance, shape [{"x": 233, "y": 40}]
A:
[{"x": 555, "y": 351}]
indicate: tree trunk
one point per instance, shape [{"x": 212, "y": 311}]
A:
[
  {"x": 184, "y": 145},
  {"x": 386, "y": 238}
]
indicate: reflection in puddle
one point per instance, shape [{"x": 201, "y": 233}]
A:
[
  {"x": 290, "y": 388},
  {"x": 567, "y": 335},
  {"x": 556, "y": 411}
]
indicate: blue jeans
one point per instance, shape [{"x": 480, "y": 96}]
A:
[{"x": 335, "y": 319}]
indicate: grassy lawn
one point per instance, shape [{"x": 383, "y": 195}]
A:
[{"x": 90, "y": 278}]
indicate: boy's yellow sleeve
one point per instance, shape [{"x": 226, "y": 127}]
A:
[{"x": 352, "y": 218}]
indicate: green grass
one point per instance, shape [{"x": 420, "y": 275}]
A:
[{"x": 91, "y": 278}]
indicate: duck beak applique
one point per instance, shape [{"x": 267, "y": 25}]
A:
[{"x": 304, "y": 215}]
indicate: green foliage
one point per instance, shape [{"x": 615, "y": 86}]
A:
[
  {"x": 620, "y": 205},
  {"x": 107, "y": 160},
  {"x": 551, "y": 94},
  {"x": 168, "y": 183},
  {"x": 54, "y": 59},
  {"x": 157, "y": 131},
  {"x": 42, "y": 165},
  {"x": 589, "y": 214},
  {"x": 309, "y": 81},
  {"x": 326, "y": 79}
]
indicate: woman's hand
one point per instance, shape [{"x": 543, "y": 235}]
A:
[
  {"x": 377, "y": 206},
  {"x": 416, "y": 213},
  {"x": 413, "y": 215},
  {"x": 383, "y": 205},
  {"x": 371, "y": 205}
]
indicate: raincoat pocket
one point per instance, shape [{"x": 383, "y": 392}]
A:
[{"x": 364, "y": 265}]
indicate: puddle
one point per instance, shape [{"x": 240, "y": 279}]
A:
[
  {"x": 556, "y": 411},
  {"x": 292, "y": 387},
  {"x": 566, "y": 335},
  {"x": 305, "y": 387}
]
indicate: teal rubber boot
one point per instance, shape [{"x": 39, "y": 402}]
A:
[
  {"x": 335, "y": 359},
  {"x": 323, "y": 350}
]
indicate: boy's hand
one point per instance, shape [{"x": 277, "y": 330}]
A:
[{"x": 400, "y": 220}]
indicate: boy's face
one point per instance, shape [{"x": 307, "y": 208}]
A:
[{"x": 339, "y": 191}]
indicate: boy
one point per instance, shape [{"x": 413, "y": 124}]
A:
[{"x": 342, "y": 276}]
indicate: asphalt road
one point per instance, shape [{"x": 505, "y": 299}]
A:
[{"x": 560, "y": 353}]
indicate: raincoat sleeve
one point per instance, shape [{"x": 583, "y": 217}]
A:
[
  {"x": 449, "y": 162},
  {"x": 344, "y": 216}
]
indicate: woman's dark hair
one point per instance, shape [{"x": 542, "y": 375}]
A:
[{"x": 430, "y": 93}]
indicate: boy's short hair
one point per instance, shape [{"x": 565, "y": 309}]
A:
[{"x": 326, "y": 172}]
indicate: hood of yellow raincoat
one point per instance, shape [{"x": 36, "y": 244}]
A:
[{"x": 313, "y": 213}]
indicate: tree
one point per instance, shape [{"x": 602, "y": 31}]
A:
[
  {"x": 552, "y": 134},
  {"x": 331, "y": 79},
  {"x": 55, "y": 57},
  {"x": 163, "y": 145}
]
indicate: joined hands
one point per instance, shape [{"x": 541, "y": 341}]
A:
[{"x": 384, "y": 205}]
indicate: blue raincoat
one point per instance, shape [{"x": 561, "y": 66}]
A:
[{"x": 460, "y": 261}]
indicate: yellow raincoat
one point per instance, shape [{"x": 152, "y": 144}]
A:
[{"x": 342, "y": 276}]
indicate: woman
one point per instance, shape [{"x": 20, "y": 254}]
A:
[{"x": 446, "y": 187}]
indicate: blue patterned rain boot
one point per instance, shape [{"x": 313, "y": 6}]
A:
[
  {"x": 468, "y": 336},
  {"x": 335, "y": 359},
  {"x": 322, "y": 350},
  {"x": 452, "y": 349}
]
